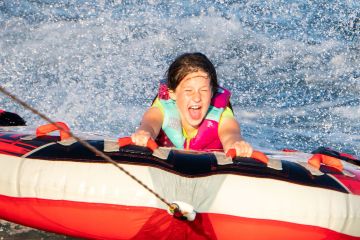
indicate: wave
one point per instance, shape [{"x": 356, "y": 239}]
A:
[{"x": 97, "y": 64}]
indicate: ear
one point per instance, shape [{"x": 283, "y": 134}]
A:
[{"x": 172, "y": 95}]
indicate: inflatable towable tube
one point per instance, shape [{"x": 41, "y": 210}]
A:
[
  {"x": 58, "y": 185},
  {"x": 10, "y": 119}
]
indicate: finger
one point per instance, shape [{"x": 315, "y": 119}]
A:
[
  {"x": 249, "y": 150},
  {"x": 243, "y": 149},
  {"x": 240, "y": 151},
  {"x": 137, "y": 139},
  {"x": 133, "y": 138},
  {"x": 144, "y": 139}
]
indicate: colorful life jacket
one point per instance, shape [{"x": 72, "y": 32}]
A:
[{"x": 207, "y": 137}]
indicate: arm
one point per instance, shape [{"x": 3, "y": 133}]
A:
[
  {"x": 150, "y": 126},
  {"x": 230, "y": 137}
]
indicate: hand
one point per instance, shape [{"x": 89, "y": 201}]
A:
[
  {"x": 243, "y": 149},
  {"x": 140, "y": 137}
]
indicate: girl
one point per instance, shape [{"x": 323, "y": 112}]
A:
[{"x": 192, "y": 111}]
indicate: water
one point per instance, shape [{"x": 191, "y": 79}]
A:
[{"x": 292, "y": 66}]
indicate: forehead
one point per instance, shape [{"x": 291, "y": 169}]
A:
[{"x": 198, "y": 78}]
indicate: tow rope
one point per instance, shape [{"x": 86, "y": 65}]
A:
[{"x": 178, "y": 210}]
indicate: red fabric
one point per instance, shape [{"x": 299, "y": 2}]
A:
[
  {"x": 108, "y": 221},
  {"x": 348, "y": 156},
  {"x": 351, "y": 183},
  {"x": 12, "y": 148},
  {"x": 289, "y": 150}
]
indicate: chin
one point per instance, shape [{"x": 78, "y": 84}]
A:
[
  {"x": 196, "y": 126},
  {"x": 195, "y": 123}
]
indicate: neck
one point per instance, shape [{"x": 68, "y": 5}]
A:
[{"x": 188, "y": 129}]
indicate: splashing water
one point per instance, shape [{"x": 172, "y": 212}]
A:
[{"x": 292, "y": 67}]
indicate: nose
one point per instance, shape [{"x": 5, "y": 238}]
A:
[{"x": 196, "y": 96}]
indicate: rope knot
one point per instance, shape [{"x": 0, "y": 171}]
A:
[{"x": 182, "y": 211}]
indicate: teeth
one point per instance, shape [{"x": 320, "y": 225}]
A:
[{"x": 195, "y": 107}]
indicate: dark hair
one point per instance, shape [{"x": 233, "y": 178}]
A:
[{"x": 189, "y": 63}]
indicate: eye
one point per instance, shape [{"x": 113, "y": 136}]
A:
[{"x": 205, "y": 90}]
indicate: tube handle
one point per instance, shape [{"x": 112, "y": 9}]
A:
[
  {"x": 125, "y": 141},
  {"x": 317, "y": 159},
  {"x": 255, "y": 155},
  {"x": 51, "y": 127}
]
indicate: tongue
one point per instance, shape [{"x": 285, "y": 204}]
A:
[{"x": 195, "y": 113}]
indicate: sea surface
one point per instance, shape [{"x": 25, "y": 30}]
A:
[{"x": 292, "y": 66}]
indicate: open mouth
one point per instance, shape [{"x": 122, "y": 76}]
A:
[{"x": 195, "y": 112}]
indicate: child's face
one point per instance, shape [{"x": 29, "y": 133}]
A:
[{"x": 193, "y": 96}]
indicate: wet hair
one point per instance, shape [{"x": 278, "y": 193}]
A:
[{"x": 189, "y": 63}]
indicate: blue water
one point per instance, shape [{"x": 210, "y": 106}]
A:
[{"x": 292, "y": 66}]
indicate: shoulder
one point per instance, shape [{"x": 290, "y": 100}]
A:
[
  {"x": 228, "y": 124},
  {"x": 227, "y": 113},
  {"x": 153, "y": 114},
  {"x": 227, "y": 116},
  {"x": 157, "y": 104}
]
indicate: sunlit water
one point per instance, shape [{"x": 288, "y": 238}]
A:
[{"x": 292, "y": 66}]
